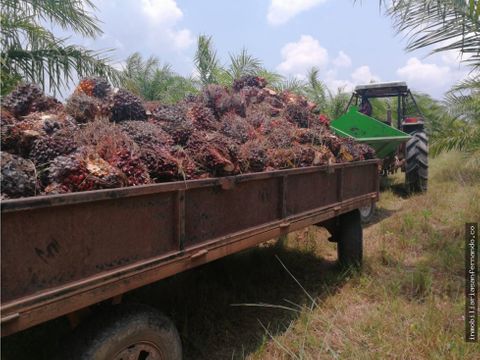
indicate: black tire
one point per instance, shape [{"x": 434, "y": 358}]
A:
[
  {"x": 416, "y": 166},
  {"x": 350, "y": 239},
  {"x": 367, "y": 212},
  {"x": 124, "y": 330}
]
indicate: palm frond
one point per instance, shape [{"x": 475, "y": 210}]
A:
[
  {"x": 243, "y": 64},
  {"x": 206, "y": 61},
  {"x": 444, "y": 24},
  {"x": 76, "y": 15},
  {"x": 32, "y": 53}
]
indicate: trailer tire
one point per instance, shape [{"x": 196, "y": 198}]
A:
[
  {"x": 125, "y": 332},
  {"x": 350, "y": 239},
  {"x": 367, "y": 212},
  {"x": 416, "y": 162}
]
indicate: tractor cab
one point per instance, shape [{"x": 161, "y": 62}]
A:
[{"x": 408, "y": 117}]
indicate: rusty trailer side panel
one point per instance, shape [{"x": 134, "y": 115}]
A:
[{"x": 63, "y": 253}]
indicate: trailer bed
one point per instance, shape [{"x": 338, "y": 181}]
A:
[{"x": 63, "y": 253}]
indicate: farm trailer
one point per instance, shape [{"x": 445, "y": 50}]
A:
[{"x": 62, "y": 254}]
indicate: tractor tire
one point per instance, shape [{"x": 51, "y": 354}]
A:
[
  {"x": 350, "y": 239},
  {"x": 416, "y": 162},
  {"x": 130, "y": 331}
]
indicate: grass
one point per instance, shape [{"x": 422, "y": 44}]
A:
[{"x": 407, "y": 303}]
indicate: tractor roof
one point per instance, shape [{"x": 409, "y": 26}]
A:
[{"x": 382, "y": 89}]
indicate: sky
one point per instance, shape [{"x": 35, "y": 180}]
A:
[{"x": 351, "y": 42}]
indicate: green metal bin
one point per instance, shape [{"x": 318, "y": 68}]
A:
[{"x": 382, "y": 137}]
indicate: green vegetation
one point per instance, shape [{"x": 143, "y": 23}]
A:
[
  {"x": 448, "y": 25},
  {"x": 408, "y": 302},
  {"x": 32, "y": 53},
  {"x": 152, "y": 81}
]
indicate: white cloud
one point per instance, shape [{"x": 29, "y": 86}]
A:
[
  {"x": 337, "y": 84},
  {"x": 161, "y": 11},
  {"x": 298, "y": 57},
  {"x": 363, "y": 75},
  {"x": 424, "y": 76},
  {"x": 162, "y": 16},
  {"x": 342, "y": 60},
  {"x": 280, "y": 11}
]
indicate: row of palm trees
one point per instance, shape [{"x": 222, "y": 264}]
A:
[{"x": 152, "y": 80}]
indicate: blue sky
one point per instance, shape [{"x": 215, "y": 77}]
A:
[{"x": 350, "y": 43}]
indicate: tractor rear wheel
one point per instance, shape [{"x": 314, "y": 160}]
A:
[{"x": 416, "y": 162}]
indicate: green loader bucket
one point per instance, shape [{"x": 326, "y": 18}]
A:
[{"x": 382, "y": 137}]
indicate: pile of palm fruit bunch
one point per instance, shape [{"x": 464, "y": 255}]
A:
[{"x": 103, "y": 137}]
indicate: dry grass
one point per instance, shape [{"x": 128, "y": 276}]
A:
[{"x": 406, "y": 304}]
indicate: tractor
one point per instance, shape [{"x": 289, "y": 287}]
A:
[{"x": 401, "y": 144}]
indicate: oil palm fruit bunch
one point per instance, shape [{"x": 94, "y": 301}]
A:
[
  {"x": 299, "y": 114},
  {"x": 146, "y": 133},
  {"x": 309, "y": 136},
  {"x": 256, "y": 117},
  {"x": 279, "y": 132},
  {"x": 173, "y": 119},
  {"x": 252, "y": 95},
  {"x": 123, "y": 105},
  {"x": 187, "y": 169},
  {"x": 201, "y": 116},
  {"x": 217, "y": 98},
  {"x": 18, "y": 176},
  {"x": 130, "y": 164},
  {"x": 213, "y": 153},
  {"x": 252, "y": 81},
  {"x": 237, "y": 128},
  {"x": 7, "y": 124},
  {"x": 367, "y": 151},
  {"x": 94, "y": 86},
  {"x": 28, "y": 98},
  {"x": 83, "y": 108},
  {"x": 253, "y": 155},
  {"x": 81, "y": 171},
  {"x": 281, "y": 158},
  {"x": 161, "y": 164},
  {"x": 46, "y": 148}
]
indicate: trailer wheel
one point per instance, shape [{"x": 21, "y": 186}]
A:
[
  {"x": 350, "y": 239},
  {"x": 125, "y": 332},
  {"x": 416, "y": 166},
  {"x": 366, "y": 212}
]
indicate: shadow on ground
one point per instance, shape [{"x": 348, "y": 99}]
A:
[
  {"x": 380, "y": 214},
  {"x": 200, "y": 303}
]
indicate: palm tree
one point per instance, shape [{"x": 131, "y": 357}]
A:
[
  {"x": 206, "y": 61},
  {"x": 30, "y": 52},
  {"x": 448, "y": 25},
  {"x": 210, "y": 71},
  {"x": 152, "y": 81},
  {"x": 242, "y": 64},
  {"x": 462, "y": 131},
  {"x": 316, "y": 90},
  {"x": 443, "y": 24}
]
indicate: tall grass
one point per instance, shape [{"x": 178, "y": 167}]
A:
[{"x": 408, "y": 302}]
